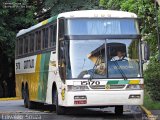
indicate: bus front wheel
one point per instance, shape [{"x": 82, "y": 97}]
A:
[
  {"x": 59, "y": 109},
  {"x": 119, "y": 110}
]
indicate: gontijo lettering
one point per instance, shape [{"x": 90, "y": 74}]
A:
[{"x": 29, "y": 64}]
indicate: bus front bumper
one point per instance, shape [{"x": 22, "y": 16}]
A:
[{"x": 103, "y": 98}]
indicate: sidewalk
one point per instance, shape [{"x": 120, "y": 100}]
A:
[
  {"x": 150, "y": 114},
  {"x": 156, "y": 113},
  {"x": 11, "y": 98}
]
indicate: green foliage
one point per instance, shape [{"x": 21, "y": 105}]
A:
[
  {"x": 145, "y": 11},
  {"x": 149, "y": 103},
  {"x": 152, "y": 78},
  {"x": 111, "y": 4},
  {"x": 59, "y": 6},
  {"x": 12, "y": 20}
]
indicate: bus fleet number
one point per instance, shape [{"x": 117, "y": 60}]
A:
[
  {"x": 17, "y": 66},
  {"x": 90, "y": 82}
]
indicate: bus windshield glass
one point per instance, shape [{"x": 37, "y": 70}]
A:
[
  {"x": 102, "y": 26},
  {"x": 103, "y": 59},
  {"x": 123, "y": 58}
]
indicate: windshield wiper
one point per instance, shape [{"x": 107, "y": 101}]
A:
[{"x": 120, "y": 70}]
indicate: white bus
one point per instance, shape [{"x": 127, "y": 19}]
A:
[{"x": 89, "y": 58}]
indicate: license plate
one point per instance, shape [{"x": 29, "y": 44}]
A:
[{"x": 80, "y": 102}]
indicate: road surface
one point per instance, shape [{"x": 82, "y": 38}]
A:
[{"x": 14, "y": 110}]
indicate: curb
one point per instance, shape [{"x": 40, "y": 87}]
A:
[
  {"x": 149, "y": 114},
  {"x": 12, "y": 98}
]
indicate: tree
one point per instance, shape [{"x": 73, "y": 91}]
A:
[
  {"x": 145, "y": 11},
  {"x": 41, "y": 13},
  {"x": 111, "y": 4},
  {"x": 14, "y": 17},
  {"x": 152, "y": 78},
  {"x": 59, "y": 6}
]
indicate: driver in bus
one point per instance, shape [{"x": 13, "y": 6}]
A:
[{"x": 120, "y": 56}]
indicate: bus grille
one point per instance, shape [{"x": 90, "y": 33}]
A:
[
  {"x": 117, "y": 86},
  {"x": 97, "y": 86}
]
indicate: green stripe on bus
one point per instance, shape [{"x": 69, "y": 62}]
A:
[
  {"x": 54, "y": 18},
  {"x": 45, "y": 75},
  {"x": 112, "y": 82},
  {"x": 123, "y": 82},
  {"x": 43, "y": 80},
  {"x": 40, "y": 83}
]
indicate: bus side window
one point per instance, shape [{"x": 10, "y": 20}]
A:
[
  {"x": 31, "y": 42},
  {"x": 38, "y": 40},
  {"x": 61, "y": 29},
  {"x": 53, "y": 29},
  {"x": 45, "y": 38},
  {"x": 17, "y": 47},
  {"x": 20, "y": 46},
  {"x": 54, "y": 34},
  {"x": 61, "y": 60},
  {"x": 26, "y": 44},
  {"x": 51, "y": 36}
]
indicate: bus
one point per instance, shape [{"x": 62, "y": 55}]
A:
[{"x": 87, "y": 58}]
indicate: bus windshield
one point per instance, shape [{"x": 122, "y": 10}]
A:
[
  {"x": 102, "y": 26},
  {"x": 103, "y": 58}
]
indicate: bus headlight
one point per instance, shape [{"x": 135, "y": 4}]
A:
[
  {"x": 134, "y": 87},
  {"x": 77, "y": 88}
]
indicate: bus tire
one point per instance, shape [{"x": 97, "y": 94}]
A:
[
  {"x": 119, "y": 110},
  {"x": 27, "y": 103},
  {"x": 59, "y": 109},
  {"x": 22, "y": 91},
  {"x": 25, "y": 98},
  {"x": 31, "y": 105},
  {"x": 1, "y": 91}
]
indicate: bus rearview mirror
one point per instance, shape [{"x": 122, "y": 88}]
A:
[
  {"x": 140, "y": 21},
  {"x": 145, "y": 51}
]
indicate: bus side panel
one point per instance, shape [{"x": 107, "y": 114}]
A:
[
  {"x": 19, "y": 81},
  {"x": 28, "y": 74},
  {"x": 36, "y": 77},
  {"x": 53, "y": 76},
  {"x": 43, "y": 76},
  {"x": 33, "y": 80}
]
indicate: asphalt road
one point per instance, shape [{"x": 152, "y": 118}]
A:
[{"x": 14, "y": 110}]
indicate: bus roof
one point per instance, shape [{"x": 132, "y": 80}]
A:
[
  {"x": 98, "y": 13},
  {"x": 81, "y": 14},
  {"x": 24, "y": 31}
]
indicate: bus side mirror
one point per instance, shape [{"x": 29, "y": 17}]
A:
[
  {"x": 140, "y": 21},
  {"x": 145, "y": 51}
]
